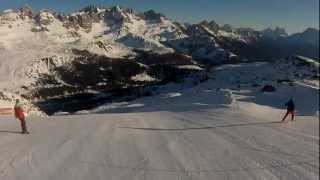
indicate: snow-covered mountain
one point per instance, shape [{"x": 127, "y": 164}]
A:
[{"x": 102, "y": 50}]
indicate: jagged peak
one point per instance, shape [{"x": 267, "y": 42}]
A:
[
  {"x": 205, "y": 23},
  {"x": 274, "y": 32},
  {"x": 276, "y": 29},
  {"x": 45, "y": 17},
  {"x": 212, "y": 25},
  {"x": 227, "y": 28},
  {"x": 152, "y": 15},
  {"x": 152, "y": 12},
  {"x": 90, "y": 9},
  {"x": 116, "y": 9},
  {"x": 26, "y": 11},
  {"x": 212, "y": 22}
]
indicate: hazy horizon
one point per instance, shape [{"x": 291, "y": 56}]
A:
[{"x": 293, "y": 15}]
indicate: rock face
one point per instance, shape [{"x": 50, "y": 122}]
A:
[
  {"x": 119, "y": 77},
  {"x": 113, "y": 73},
  {"x": 151, "y": 15},
  {"x": 81, "y": 20},
  {"x": 213, "y": 26},
  {"x": 268, "y": 88},
  {"x": 61, "y": 18},
  {"x": 85, "y": 21},
  {"x": 71, "y": 22},
  {"x": 26, "y": 12},
  {"x": 117, "y": 16},
  {"x": 44, "y": 18}
]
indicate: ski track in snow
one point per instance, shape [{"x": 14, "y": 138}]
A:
[{"x": 217, "y": 144}]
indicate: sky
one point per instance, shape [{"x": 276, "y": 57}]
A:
[{"x": 293, "y": 15}]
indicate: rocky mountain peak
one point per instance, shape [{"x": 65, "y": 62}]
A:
[
  {"x": 274, "y": 33},
  {"x": 151, "y": 15},
  {"x": 228, "y": 28},
  {"x": 212, "y": 25},
  {"x": 26, "y": 12},
  {"x": 90, "y": 9},
  {"x": 44, "y": 17},
  {"x": 117, "y": 15},
  {"x": 247, "y": 32},
  {"x": 204, "y": 23},
  {"x": 116, "y": 9}
]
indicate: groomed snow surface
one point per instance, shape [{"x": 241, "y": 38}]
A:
[{"x": 212, "y": 131}]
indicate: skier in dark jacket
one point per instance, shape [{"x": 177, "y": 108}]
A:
[{"x": 290, "y": 110}]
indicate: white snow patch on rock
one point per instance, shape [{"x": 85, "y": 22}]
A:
[{"x": 143, "y": 77}]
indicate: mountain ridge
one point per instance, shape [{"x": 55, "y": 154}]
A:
[{"x": 40, "y": 51}]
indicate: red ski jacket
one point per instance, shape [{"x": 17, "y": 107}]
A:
[{"x": 18, "y": 112}]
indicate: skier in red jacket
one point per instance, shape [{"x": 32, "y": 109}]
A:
[{"x": 18, "y": 113}]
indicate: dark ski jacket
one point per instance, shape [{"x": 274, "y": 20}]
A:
[{"x": 290, "y": 105}]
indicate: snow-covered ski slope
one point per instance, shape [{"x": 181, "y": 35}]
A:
[{"x": 213, "y": 131}]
